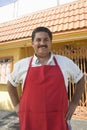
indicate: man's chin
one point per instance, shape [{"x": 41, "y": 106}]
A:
[{"x": 42, "y": 55}]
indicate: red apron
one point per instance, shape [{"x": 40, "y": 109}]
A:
[{"x": 44, "y": 102}]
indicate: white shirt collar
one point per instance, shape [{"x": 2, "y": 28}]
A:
[{"x": 37, "y": 62}]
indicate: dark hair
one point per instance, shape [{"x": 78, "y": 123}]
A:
[{"x": 41, "y": 29}]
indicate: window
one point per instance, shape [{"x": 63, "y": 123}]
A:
[{"x": 5, "y": 69}]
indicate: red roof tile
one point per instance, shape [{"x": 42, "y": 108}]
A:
[{"x": 64, "y": 18}]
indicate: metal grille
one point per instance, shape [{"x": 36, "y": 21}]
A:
[{"x": 79, "y": 55}]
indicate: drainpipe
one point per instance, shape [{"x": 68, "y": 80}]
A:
[{"x": 57, "y": 2}]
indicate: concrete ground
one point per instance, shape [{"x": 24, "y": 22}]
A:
[{"x": 9, "y": 121}]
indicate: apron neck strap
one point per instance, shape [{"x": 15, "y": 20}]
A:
[
  {"x": 30, "y": 61},
  {"x": 53, "y": 59}
]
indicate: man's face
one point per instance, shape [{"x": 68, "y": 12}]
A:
[{"x": 42, "y": 44}]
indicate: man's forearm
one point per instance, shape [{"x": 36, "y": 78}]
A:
[
  {"x": 13, "y": 94},
  {"x": 78, "y": 91},
  {"x": 76, "y": 97}
]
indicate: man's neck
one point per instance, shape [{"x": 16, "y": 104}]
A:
[{"x": 44, "y": 59}]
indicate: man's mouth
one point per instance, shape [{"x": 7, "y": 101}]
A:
[{"x": 42, "y": 46}]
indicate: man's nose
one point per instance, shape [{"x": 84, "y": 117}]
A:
[{"x": 42, "y": 42}]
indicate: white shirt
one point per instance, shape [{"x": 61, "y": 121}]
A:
[{"x": 69, "y": 69}]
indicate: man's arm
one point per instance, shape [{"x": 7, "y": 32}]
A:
[
  {"x": 76, "y": 97},
  {"x": 13, "y": 95}
]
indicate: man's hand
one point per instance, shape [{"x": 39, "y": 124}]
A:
[
  {"x": 71, "y": 110},
  {"x": 17, "y": 108}
]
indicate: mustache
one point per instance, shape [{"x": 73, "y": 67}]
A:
[{"x": 43, "y": 46}]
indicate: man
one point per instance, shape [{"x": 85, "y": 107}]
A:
[{"x": 44, "y": 78}]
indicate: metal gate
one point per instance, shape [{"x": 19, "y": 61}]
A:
[{"x": 79, "y": 55}]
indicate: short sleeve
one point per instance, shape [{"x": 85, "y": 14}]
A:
[
  {"x": 14, "y": 76},
  {"x": 19, "y": 72},
  {"x": 75, "y": 73}
]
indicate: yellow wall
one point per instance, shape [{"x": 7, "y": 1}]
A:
[
  {"x": 5, "y": 102},
  {"x": 16, "y": 54},
  {"x": 10, "y": 53},
  {"x": 26, "y": 51}
]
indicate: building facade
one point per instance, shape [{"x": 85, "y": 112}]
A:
[{"x": 68, "y": 24}]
